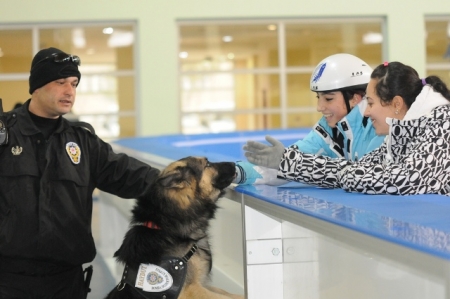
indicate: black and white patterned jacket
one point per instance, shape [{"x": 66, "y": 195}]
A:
[{"x": 414, "y": 158}]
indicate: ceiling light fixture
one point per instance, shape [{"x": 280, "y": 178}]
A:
[
  {"x": 108, "y": 30},
  {"x": 372, "y": 38},
  {"x": 78, "y": 39},
  {"x": 121, "y": 38},
  {"x": 227, "y": 38}
]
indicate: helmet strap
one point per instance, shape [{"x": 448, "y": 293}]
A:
[{"x": 347, "y": 96}]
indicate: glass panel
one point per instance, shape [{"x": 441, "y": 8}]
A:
[
  {"x": 437, "y": 43},
  {"x": 13, "y": 92},
  {"x": 225, "y": 92},
  {"x": 257, "y": 91},
  {"x": 443, "y": 74},
  {"x": 302, "y": 100},
  {"x": 242, "y": 86},
  {"x": 125, "y": 93},
  {"x": 438, "y": 48},
  {"x": 127, "y": 126},
  {"x": 97, "y": 94},
  {"x": 228, "y": 46},
  {"x": 298, "y": 92},
  {"x": 100, "y": 45},
  {"x": 207, "y": 123},
  {"x": 196, "y": 123},
  {"x": 308, "y": 43},
  {"x": 303, "y": 119},
  {"x": 15, "y": 51},
  {"x": 258, "y": 121},
  {"x": 207, "y": 92}
]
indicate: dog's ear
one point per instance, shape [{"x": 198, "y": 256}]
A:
[{"x": 175, "y": 178}]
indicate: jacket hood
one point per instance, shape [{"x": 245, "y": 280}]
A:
[{"x": 425, "y": 103}]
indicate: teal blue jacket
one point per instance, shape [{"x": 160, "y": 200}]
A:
[
  {"x": 359, "y": 138},
  {"x": 358, "y": 134}
]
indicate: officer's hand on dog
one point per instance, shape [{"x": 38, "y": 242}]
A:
[{"x": 264, "y": 155}]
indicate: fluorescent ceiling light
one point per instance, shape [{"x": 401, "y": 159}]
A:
[
  {"x": 372, "y": 38},
  {"x": 227, "y": 38},
  {"x": 108, "y": 30},
  {"x": 121, "y": 38},
  {"x": 78, "y": 39}
]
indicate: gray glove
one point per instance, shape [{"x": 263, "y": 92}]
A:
[{"x": 264, "y": 155}]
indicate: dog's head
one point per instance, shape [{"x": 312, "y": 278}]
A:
[
  {"x": 195, "y": 178},
  {"x": 186, "y": 190}
]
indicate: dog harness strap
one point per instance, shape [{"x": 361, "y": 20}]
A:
[
  {"x": 147, "y": 283},
  {"x": 190, "y": 253}
]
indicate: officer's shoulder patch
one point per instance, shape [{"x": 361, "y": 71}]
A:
[{"x": 81, "y": 124}]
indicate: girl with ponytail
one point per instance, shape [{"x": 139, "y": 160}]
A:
[{"x": 414, "y": 114}]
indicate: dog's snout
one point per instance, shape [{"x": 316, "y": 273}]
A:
[
  {"x": 225, "y": 168},
  {"x": 226, "y": 173},
  {"x": 225, "y": 164}
]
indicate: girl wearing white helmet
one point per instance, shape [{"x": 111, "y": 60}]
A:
[{"x": 340, "y": 82}]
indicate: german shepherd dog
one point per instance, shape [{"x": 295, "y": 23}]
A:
[{"x": 166, "y": 251}]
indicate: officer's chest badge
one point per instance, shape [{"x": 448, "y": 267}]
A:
[
  {"x": 16, "y": 150},
  {"x": 74, "y": 152}
]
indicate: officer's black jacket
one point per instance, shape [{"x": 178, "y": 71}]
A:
[{"x": 46, "y": 198}]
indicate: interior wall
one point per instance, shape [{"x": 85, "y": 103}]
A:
[{"x": 157, "y": 34}]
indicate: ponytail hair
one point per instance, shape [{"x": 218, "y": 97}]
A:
[
  {"x": 398, "y": 79},
  {"x": 438, "y": 85}
]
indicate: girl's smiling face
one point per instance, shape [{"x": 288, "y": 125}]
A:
[
  {"x": 332, "y": 106},
  {"x": 378, "y": 111}
]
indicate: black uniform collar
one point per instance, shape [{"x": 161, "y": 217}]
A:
[{"x": 27, "y": 126}]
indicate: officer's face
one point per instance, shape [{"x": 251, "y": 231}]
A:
[{"x": 55, "y": 98}]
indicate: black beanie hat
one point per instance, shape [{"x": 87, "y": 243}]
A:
[{"x": 47, "y": 70}]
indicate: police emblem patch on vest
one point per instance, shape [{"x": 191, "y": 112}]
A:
[
  {"x": 152, "y": 278},
  {"x": 74, "y": 152},
  {"x": 164, "y": 280}
]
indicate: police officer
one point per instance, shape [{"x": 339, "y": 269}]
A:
[{"x": 49, "y": 168}]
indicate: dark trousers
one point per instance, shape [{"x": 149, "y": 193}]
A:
[{"x": 65, "y": 285}]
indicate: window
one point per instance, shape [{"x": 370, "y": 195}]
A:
[
  {"x": 105, "y": 95},
  {"x": 438, "y": 47},
  {"x": 247, "y": 75}
]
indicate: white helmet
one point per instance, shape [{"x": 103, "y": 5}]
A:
[{"x": 340, "y": 72}]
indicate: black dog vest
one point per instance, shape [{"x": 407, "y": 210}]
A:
[{"x": 162, "y": 281}]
